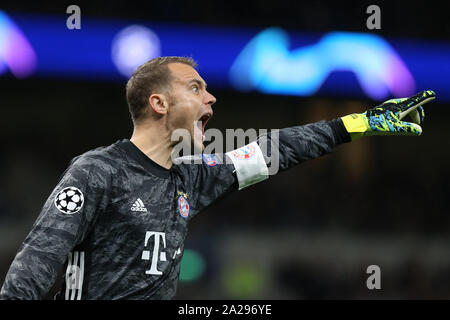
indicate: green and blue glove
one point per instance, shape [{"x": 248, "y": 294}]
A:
[{"x": 387, "y": 118}]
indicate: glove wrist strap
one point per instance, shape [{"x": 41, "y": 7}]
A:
[{"x": 356, "y": 125}]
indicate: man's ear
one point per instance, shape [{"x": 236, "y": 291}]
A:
[{"x": 159, "y": 103}]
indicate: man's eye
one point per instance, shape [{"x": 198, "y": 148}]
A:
[{"x": 195, "y": 89}]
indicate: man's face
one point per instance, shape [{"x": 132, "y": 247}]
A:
[{"x": 190, "y": 105}]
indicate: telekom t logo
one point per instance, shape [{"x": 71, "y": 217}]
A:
[{"x": 155, "y": 256}]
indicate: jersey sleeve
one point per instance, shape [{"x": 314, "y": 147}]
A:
[
  {"x": 206, "y": 178},
  {"x": 215, "y": 175},
  {"x": 291, "y": 146},
  {"x": 212, "y": 176},
  {"x": 63, "y": 222}
]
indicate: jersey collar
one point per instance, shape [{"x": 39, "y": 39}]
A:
[{"x": 140, "y": 157}]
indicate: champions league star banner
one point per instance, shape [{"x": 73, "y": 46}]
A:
[{"x": 270, "y": 61}]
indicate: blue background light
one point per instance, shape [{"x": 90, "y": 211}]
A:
[{"x": 271, "y": 61}]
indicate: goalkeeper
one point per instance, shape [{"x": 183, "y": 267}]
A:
[{"x": 115, "y": 224}]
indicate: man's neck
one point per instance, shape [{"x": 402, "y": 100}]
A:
[{"x": 155, "y": 143}]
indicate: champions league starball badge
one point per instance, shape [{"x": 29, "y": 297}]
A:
[{"x": 69, "y": 200}]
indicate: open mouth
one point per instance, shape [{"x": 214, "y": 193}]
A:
[{"x": 203, "y": 120}]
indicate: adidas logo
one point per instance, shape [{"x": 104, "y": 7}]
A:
[{"x": 138, "y": 205}]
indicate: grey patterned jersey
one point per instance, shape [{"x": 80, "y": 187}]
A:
[{"x": 115, "y": 224}]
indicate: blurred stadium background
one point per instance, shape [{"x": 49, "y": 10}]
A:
[{"x": 307, "y": 233}]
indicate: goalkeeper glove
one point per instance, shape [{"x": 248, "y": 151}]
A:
[{"x": 386, "y": 119}]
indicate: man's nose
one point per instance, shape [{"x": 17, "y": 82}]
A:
[{"x": 209, "y": 98}]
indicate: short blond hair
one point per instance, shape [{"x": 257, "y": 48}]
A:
[{"x": 149, "y": 78}]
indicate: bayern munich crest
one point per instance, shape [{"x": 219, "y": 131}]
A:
[
  {"x": 244, "y": 153},
  {"x": 183, "y": 207},
  {"x": 69, "y": 200}
]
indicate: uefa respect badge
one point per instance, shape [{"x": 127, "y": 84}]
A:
[{"x": 209, "y": 159}]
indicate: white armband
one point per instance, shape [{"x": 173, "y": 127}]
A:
[{"x": 250, "y": 165}]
